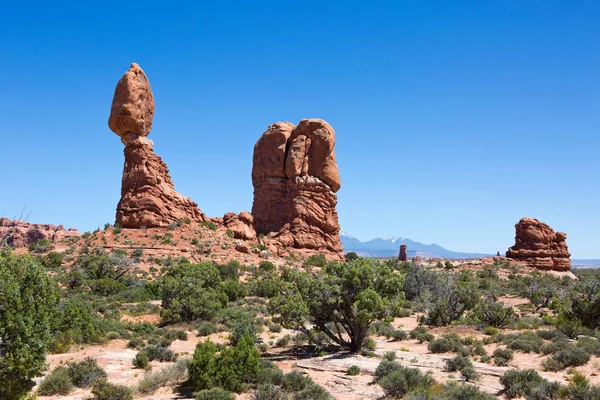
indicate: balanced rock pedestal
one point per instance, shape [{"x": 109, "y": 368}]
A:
[{"x": 148, "y": 196}]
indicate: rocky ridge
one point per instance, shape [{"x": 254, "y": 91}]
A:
[{"x": 21, "y": 234}]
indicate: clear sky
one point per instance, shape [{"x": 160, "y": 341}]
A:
[{"x": 454, "y": 119}]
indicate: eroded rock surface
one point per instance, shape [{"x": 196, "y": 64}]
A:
[
  {"x": 148, "y": 196},
  {"x": 539, "y": 246},
  {"x": 295, "y": 178},
  {"x": 20, "y": 234},
  {"x": 402, "y": 256}
]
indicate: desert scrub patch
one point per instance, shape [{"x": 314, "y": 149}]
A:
[
  {"x": 57, "y": 382},
  {"x": 103, "y": 390},
  {"x": 166, "y": 376},
  {"x": 502, "y": 357}
]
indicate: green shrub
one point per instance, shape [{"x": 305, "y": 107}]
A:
[
  {"x": 462, "y": 365},
  {"x": 160, "y": 353},
  {"x": 376, "y": 294},
  {"x": 520, "y": 382},
  {"x": 296, "y": 381},
  {"x": 454, "y": 391},
  {"x": 401, "y": 381},
  {"x": 369, "y": 344},
  {"x": 502, "y": 357},
  {"x": 272, "y": 376},
  {"x": 350, "y": 256},
  {"x": 527, "y": 342},
  {"x": 206, "y": 328},
  {"x": 85, "y": 373},
  {"x": 491, "y": 331},
  {"x": 445, "y": 344},
  {"x": 141, "y": 361},
  {"x": 172, "y": 374},
  {"x": 135, "y": 342},
  {"x": 312, "y": 392},
  {"x": 284, "y": 341},
  {"x": 421, "y": 334},
  {"x": 267, "y": 266},
  {"x": 191, "y": 291},
  {"x": 209, "y": 224},
  {"x": 268, "y": 391},
  {"x": 317, "y": 260},
  {"x": 353, "y": 370},
  {"x": 52, "y": 259},
  {"x": 399, "y": 334},
  {"x": 494, "y": 314},
  {"x": 214, "y": 394},
  {"x": 57, "y": 382},
  {"x": 103, "y": 390},
  {"x": 230, "y": 369},
  {"x": 275, "y": 328},
  {"x": 389, "y": 355},
  {"x": 571, "y": 356},
  {"x": 41, "y": 246},
  {"x": 28, "y": 300}
]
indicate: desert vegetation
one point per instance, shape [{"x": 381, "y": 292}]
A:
[{"x": 220, "y": 330}]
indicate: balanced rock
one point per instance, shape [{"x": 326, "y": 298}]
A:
[
  {"x": 538, "y": 246},
  {"x": 402, "y": 255},
  {"x": 15, "y": 233},
  {"x": 148, "y": 196},
  {"x": 295, "y": 178}
]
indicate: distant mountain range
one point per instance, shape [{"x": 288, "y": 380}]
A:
[{"x": 390, "y": 246}]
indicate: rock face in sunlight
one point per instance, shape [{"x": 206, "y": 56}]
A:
[
  {"x": 20, "y": 234},
  {"x": 295, "y": 178},
  {"x": 539, "y": 246},
  {"x": 402, "y": 255},
  {"x": 148, "y": 196}
]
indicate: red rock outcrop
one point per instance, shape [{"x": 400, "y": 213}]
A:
[
  {"x": 538, "y": 246},
  {"x": 148, "y": 196},
  {"x": 402, "y": 255},
  {"x": 241, "y": 225},
  {"x": 20, "y": 234},
  {"x": 295, "y": 178}
]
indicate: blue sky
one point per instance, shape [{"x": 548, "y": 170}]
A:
[{"x": 453, "y": 119}]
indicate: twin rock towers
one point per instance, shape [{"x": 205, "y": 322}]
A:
[{"x": 294, "y": 174}]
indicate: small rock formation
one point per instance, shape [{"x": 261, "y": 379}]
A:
[
  {"x": 416, "y": 260},
  {"x": 148, "y": 196},
  {"x": 21, "y": 234},
  {"x": 402, "y": 255},
  {"x": 295, "y": 178},
  {"x": 241, "y": 225},
  {"x": 538, "y": 246}
]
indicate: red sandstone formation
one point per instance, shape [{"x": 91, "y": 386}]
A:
[
  {"x": 241, "y": 225},
  {"x": 402, "y": 255},
  {"x": 538, "y": 246},
  {"x": 295, "y": 177},
  {"x": 21, "y": 234},
  {"x": 148, "y": 196},
  {"x": 416, "y": 260}
]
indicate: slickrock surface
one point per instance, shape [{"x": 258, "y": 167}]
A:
[
  {"x": 539, "y": 246},
  {"x": 20, "y": 234},
  {"x": 295, "y": 178},
  {"x": 148, "y": 196}
]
